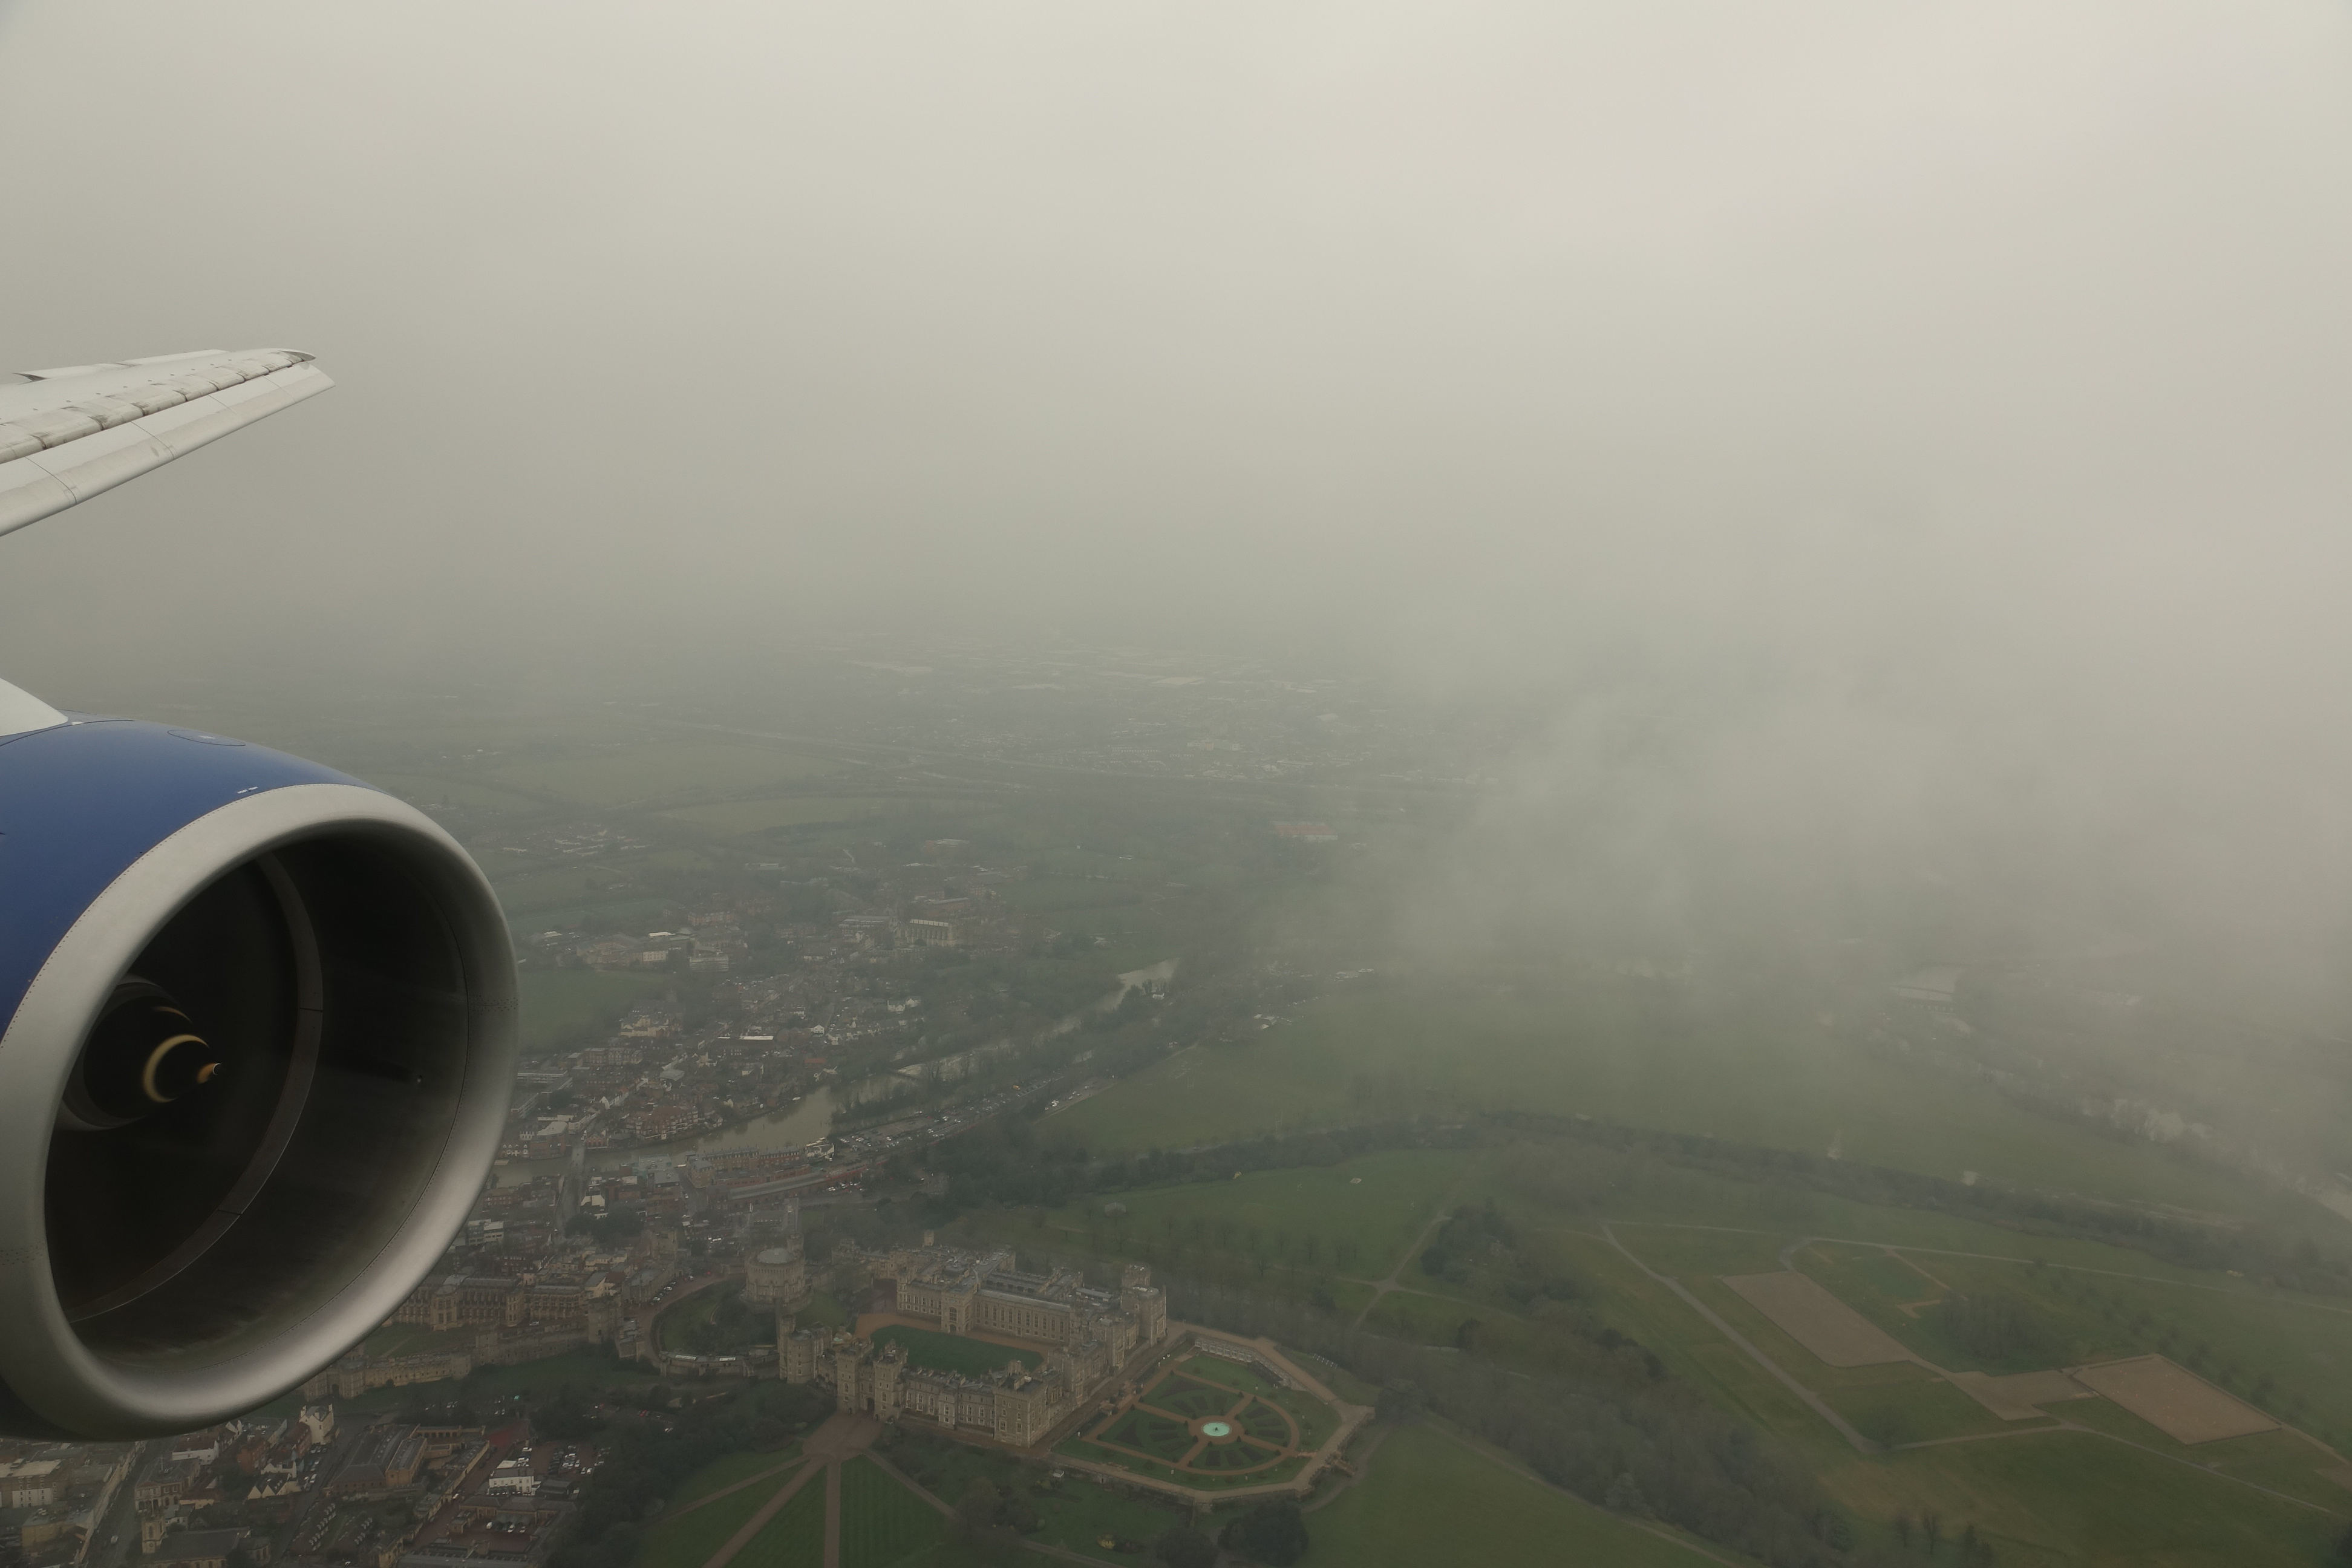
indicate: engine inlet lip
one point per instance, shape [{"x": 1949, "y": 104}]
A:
[{"x": 44, "y": 1361}]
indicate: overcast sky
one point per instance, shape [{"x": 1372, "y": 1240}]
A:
[
  {"x": 1951, "y": 399},
  {"x": 1324, "y": 314}
]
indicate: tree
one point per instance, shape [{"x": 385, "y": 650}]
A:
[
  {"x": 1184, "y": 1547},
  {"x": 977, "y": 1510},
  {"x": 1272, "y": 1534},
  {"x": 1400, "y": 1401}
]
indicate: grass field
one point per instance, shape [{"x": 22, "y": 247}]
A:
[
  {"x": 644, "y": 772},
  {"x": 2039, "y": 1494},
  {"x": 2072, "y": 1498},
  {"x": 2283, "y": 1461},
  {"x": 822, "y": 1311},
  {"x": 1080, "y": 1448},
  {"x": 672, "y": 1327},
  {"x": 1601, "y": 1054},
  {"x": 1353, "y": 1218},
  {"x": 1429, "y": 1498},
  {"x": 881, "y": 1521},
  {"x": 1075, "y": 1513},
  {"x": 793, "y": 1538},
  {"x": 722, "y": 1473},
  {"x": 1163, "y": 1437},
  {"x": 688, "y": 1539},
  {"x": 1917, "y": 1408},
  {"x": 952, "y": 1352}
]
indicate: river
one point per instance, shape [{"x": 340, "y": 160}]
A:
[
  {"x": 801, "y": 1123},
  {"x": 796, "y": 1125}
]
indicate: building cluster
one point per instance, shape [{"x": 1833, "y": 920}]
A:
[
  {"x": 1090, "y": 1335},
  {"x": 395, "y": 1494},
  {"x": 52, "y": 1497},
  {"x": 403, "y": 1495},
  {"x": 229, "y": 1494}
]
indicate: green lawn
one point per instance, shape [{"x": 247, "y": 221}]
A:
[
  {"x": 1917, "y": 1408},
  {"x": 793, "y": 1538},
  {"x": 881, "y": 1521},
  {"x": 2071, "y": 1498},
  {"x": 688, "y": 1539},
  {"x": 2283, "y": 1461},
  {"x": 1080, "y": 1448},
  {"x": 1075, "y": 1513},
  {"x": 722, "y": 1473},
  {"x": 954, "y": 1352},
  {"x": 672, "y": 1326},
  {"x": 1356, "y": 1217},
  {"x": 822, "y": 1311},
  {"x": 1316, "y": 1420},
  {"x": 1166, "y": 1436},
  {"x": 1430, "y": 1499}
]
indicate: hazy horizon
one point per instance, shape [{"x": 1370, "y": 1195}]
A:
[{"x": 1865, "y": 450}]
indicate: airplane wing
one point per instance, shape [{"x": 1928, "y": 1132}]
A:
[{"x": 67, "y": 434}]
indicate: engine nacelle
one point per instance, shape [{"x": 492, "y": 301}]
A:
[{"x": 259, "y": 1040}]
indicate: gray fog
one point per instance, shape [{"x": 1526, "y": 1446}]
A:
[{"x": 1873, "y": 449}]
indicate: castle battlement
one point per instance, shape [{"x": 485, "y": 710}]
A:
[{"x": 1090, "y": 1334}]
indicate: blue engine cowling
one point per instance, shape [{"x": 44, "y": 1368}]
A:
[{"x": 259, "y": 1040}]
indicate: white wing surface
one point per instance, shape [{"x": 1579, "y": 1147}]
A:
[{"x": 69, "y": 433}]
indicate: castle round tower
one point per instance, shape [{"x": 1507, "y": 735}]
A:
[{"x": 778, "y": 1276}]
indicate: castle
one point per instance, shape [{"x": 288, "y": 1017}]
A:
[
  {"x": 986, "y": 1294},
  {"x": 1090, "y": 1334},
  {"x": 779, "y": 1277}
]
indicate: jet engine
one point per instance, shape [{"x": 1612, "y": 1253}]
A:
[{"x": 258, "y": 1045}]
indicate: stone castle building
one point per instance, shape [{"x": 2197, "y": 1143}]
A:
[
  {"x": 488, "y": 1301},
  {"x": 1016, "y": 1405},
  {"x": 986, "y": 1294},
  {"x": 778, "y": 1276},
  {"x": 1090, "y": 1334}
]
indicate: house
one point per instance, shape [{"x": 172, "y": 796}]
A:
[{"x": 28, "y": 1483}]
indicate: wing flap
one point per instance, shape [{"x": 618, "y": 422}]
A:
[{"x": 67, "y": 436}]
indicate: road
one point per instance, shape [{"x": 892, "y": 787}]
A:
[
  {"x": 1388, "y": 1282},
  {"x": 121, "y": 1516},
  {"x": 1814, "y": 1402}
]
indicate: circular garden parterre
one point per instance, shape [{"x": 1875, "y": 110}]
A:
[{"x": 1206, "y": 1418}]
